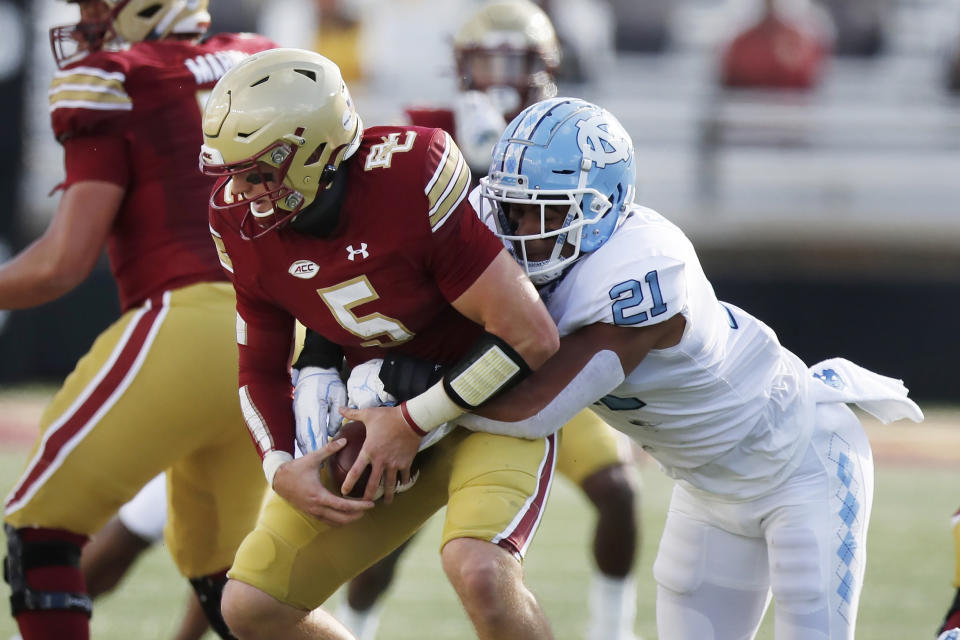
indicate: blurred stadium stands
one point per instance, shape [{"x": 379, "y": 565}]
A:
[{"x": 833, "y": 214}]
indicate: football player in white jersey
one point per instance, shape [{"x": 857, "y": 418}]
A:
[{"x": 774, "y": 473}]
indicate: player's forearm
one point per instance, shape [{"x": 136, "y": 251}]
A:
[
  {"x": 39, "y": 274},
  {"x": 527, "y": 413},
  {"x": 538, "y": 340},
  {"x": 508, "y": 306}
]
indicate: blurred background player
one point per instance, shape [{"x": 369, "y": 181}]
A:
[
  {"x": 506, "y": 54},
  {"x": 157, "y": 389},
  {"x": 781, "y": 50}
]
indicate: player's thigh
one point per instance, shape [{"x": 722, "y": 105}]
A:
[
  {"x": 588, "y": 445},
  {"x": 151, "y": 389},
  {"x": 828, "y": 531},
  {"x": 498, "y": 489},
  {"x": 214, "y": 496},
  {"x": 99, "y": 436},
  {"x": 711, "y": 583},
  {"x": 300, "y": 561}
]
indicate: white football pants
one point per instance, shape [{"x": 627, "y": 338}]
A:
[{"x": 804, "y": 545}]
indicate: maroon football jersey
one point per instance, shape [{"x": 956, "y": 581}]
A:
[
  {"x": 132, "y": 117},
  {"x": 407, "y": 244}
]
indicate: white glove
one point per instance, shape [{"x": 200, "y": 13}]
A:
[
  {"x": 364, "y": 388},
  {"x": 318, "y": 394},
  {"x": 478, "y": 125}
]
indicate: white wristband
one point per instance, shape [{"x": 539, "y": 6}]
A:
[
  {"x": 273, "y": 461},
  {"x": 432, "y": 408}
]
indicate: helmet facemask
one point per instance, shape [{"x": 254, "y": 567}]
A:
[
  {"x": 285, "y": 201},
  {"x": 502, "y": 191},
  {"x": 71, "y": 42},
  {"x": 128, "y": 21}
]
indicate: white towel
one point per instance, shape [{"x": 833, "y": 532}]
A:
[{"x": 843, "y": 381}]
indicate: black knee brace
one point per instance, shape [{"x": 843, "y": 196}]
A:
[
  {"x": 23, "y": 555},
  {"x": 209, "y": 592}
]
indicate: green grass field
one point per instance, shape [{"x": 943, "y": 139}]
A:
[{"x": 909, "y": 567}]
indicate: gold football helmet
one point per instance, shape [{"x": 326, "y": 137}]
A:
[
  {"x": 119, "y": 21},
  {"x": 508, "y": 47},
  {"x": 286, "y": 109}
]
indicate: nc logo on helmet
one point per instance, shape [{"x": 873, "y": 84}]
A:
[{"x": 602, "y": 142}]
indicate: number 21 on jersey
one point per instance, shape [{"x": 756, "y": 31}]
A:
[{"x": 628, "y": 295}]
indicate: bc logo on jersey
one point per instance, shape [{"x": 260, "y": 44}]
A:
[
  {"x": 381, "y": 155},
  {"x": 601, "y": 145}
]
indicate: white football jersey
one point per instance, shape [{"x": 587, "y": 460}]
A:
[{"x": 726, "y": 409}]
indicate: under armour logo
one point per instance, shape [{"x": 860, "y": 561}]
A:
[
  {"x": 602, "y": 142},
  {"x": 830, "y": 378},
  {"x": 362, "y": 252}
]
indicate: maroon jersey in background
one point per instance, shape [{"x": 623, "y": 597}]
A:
[
  {"x": 775, "y": 54},
  {"x": 114, "y": 112},
  {"x": 432, "y": 117},
  {"x": 407, "y": 245}
]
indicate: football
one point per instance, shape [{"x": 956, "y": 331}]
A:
[{"x": 340, "y": 462}]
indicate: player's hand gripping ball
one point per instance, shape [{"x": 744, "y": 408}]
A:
[{"x": 340, "y": 462}]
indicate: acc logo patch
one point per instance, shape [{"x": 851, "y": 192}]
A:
[
  {"x": 304, "y": 269},
  {"x": 602, "y": 142}
]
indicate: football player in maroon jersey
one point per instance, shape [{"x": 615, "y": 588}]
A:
[
  {"x": 506, "y": 54},
  {"x": 156, "y": 390},
  {"x": 366, "y": 237}
]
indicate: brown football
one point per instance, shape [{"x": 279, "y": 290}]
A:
[{"x": 340, "y": 462}]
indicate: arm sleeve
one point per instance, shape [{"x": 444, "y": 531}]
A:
[
  {"x": 601, "y": 375},
  {"x": 265, "y": 335},
  {"x": 265, "y": 342},
  {"x": 104, "y": 157},
  {"x": 90, "y": 115}
]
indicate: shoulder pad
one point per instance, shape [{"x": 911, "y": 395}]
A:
[
  {"x": 449, "y": 180},
  {"x": 89, "y": 88}
]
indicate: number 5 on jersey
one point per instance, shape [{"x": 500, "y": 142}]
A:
[{"x": 342, "y": 298}]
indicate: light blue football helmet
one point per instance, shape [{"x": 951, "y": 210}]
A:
[{"x": 560, "y": 152}]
